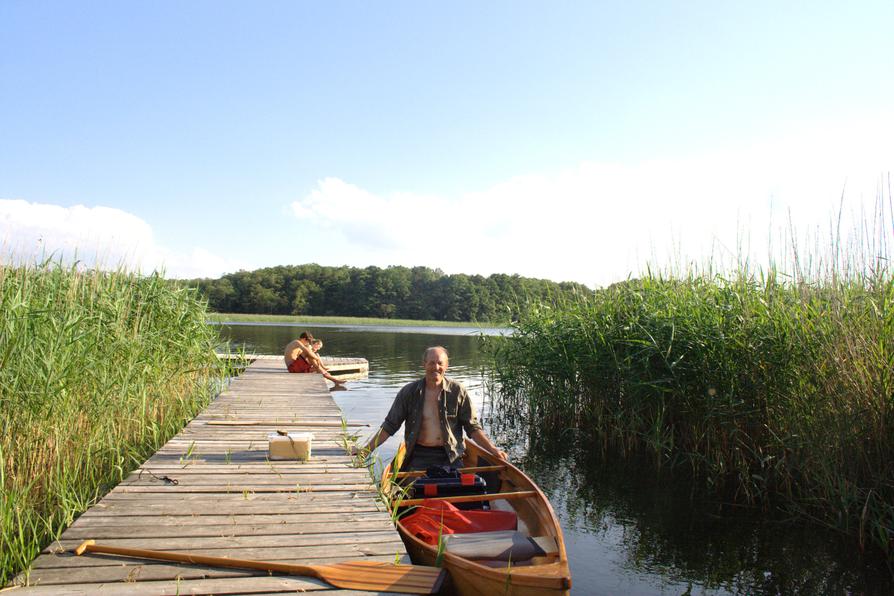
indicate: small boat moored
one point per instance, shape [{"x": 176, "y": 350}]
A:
[{"x": 504, "y": 539}]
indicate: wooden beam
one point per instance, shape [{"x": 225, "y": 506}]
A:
[
  {"x": 522, "y": 494},
  {"x": 420, "y": 473}
]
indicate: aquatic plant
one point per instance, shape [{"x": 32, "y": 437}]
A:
[
  {"x": 97, "y": 371},
  {"x": 774, "y": 387}
]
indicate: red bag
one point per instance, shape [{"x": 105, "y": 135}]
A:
[{"x": 435, "y": 517}]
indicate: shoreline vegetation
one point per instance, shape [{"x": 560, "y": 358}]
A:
[
  {"x": 97, "y": 371},
  {"x": 773, "y": 390},
  {"x": 332, "y": 320},
  {"x": 417, "y": 293}
]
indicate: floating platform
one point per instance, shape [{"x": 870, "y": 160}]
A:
[{"x": 348, "y": 369}]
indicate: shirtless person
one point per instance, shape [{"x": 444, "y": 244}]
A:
[
  {"x": 436, "y": 411},
  {"x": 301, "y": 358}
]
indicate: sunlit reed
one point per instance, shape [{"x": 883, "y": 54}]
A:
[
  {"x": 776, "y": 388},
  {"x": 97, "y": 371}
]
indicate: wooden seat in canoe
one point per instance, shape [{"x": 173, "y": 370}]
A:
[{"x": 505, "y": 545}]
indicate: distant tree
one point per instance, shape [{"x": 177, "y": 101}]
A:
[
  {"x": 305, "y": 293},
  {"x": 401, "y": 292}
]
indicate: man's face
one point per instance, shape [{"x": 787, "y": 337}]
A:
[{"x": 435, "y": 366}]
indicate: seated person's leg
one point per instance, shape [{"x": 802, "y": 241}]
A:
[{"x": 300, "y": 365}]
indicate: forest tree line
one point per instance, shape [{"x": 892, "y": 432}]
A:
[{"x": 394, "y": 292}]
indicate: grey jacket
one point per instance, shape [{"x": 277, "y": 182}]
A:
[{"x": 455, "y": 410}]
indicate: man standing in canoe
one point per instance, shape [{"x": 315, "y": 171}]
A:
[
  {"x": 436, "y": 411},
  {"x": 300, "y": 357}
]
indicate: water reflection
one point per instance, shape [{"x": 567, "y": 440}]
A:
[
  {"x": 627, "y": 531},
  {"x": 641, "y": 533}
]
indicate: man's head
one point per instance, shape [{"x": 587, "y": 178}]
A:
[
  {"x": 435, "y": 360},
  {"x": 306, "y": 337}
]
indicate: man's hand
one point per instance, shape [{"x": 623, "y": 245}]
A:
[{"x": 480, "y": 437}]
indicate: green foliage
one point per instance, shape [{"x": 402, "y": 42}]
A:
[
  {"x": 774, "y": 393},
  {"x": 395, "y": 292},
  {"x": 97, "y": 371}
]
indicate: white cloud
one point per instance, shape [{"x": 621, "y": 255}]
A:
[
  {"x": 601, "y": 222},
  {"x": 379, "y": 222},
  {"x": 99, "y": 236},
  {"x": 200, "y": 262}
]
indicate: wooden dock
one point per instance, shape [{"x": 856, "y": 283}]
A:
[{"x": 211, "y": 490}]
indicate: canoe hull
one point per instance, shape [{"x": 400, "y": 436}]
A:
[{"x": 468, "y": 578}]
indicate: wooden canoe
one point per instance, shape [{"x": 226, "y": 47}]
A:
[{"x": 547, "y": 574}]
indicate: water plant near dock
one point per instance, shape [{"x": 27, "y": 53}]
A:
[
  {"x": 776, "y": 390},
  {"x": 97, "y": 371}
]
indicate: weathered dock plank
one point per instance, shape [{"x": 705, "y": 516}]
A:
[
  {"x": 258, "y": 585},
  {"x": 212, "y": 490}
]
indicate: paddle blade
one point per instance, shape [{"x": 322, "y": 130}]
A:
[{"x": 384, "y": 577}]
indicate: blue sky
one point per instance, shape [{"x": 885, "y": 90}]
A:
[{"x": 566, "y": 140}]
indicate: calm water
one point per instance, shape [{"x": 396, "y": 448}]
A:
[{"x": 626, "y": 531}]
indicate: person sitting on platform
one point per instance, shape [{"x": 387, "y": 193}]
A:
[
  {"x": 300, "y": 357},
  {"x": 436, "y": 410}
]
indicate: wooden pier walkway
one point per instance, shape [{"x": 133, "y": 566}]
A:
[{"x": 211, "y": 490}]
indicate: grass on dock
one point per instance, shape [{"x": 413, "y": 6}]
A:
[{"x": 97, "y": 371}]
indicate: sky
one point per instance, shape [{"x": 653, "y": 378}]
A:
[{"x": 572, "y": 141}]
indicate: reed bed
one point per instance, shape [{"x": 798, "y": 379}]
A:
[
  {"x": 97, "y": 371},
  {"x": 774, "y": 390}
]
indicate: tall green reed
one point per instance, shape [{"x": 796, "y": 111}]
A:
[
  {"x": 97, "y": 371},
  {"x": 775, "y": 389}
]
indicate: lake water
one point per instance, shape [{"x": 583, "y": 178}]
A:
[{"x": 626, "y": 530}]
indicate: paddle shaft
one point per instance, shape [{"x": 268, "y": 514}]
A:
[
  {"x": 410, "y": 579},
  {"x": 90, "y": 546}
]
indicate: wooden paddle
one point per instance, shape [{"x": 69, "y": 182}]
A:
[{"x": 353, "y": 575}]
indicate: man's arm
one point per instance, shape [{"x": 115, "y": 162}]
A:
[
  {"x": 472, "y": 427},
  {"x": 377, "y": 440},
  {"x": 484, "y": 441},
  {"x": 393, "y": 421}
]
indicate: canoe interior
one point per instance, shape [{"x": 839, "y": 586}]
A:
[{"x": 547, "y": 574}]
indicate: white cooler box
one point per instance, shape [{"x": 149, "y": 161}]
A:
[{"x": 289, "y": 446}]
